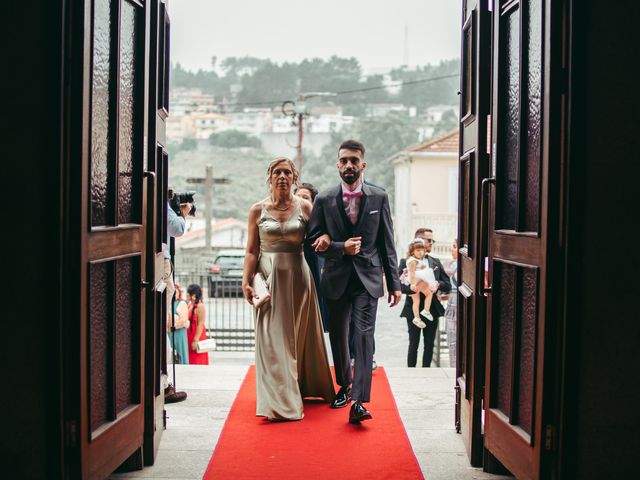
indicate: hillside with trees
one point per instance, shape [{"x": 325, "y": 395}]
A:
[
  {"x": 248, "y": 81},
  {"x": 239, "y": 82}
]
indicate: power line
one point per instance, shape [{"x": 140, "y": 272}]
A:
[{"x": 356, "y": 90}]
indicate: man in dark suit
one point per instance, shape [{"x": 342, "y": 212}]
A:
[
  {"x": 351, "y": 227},
  {"x": 436, "y": 310}
]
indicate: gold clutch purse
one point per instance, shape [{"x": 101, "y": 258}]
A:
[{"x": 261, "y": 290}]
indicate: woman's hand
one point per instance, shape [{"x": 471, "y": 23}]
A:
[
  {"x": 194, "y": 345},
  {"x": 413, "y": 287},
  {"x": 249, "y": 293},
  {"x": 322, "y": 243}
]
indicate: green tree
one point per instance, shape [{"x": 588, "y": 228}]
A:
[
  {"x": 448, "y": 122},
  {"x": 189, "y": 144},
  {"x": 382, "y": 137},
  {"x": 233, "y": 139}
]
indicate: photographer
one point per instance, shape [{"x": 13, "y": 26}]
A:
[{"x": 176, "y": 225}]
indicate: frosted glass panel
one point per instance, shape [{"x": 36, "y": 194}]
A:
[
  {"x": 504, "y": 289},
  {"x": 526, "y": 361},
  {"x": 129, "y": 161},
  {"x": 126, "y": 297},
  {"x": 98, "y": 325},
  {"x": 530, "y": 195},
  {"x": 101, "y": 88},
  {"x": 508, "y": 154}
]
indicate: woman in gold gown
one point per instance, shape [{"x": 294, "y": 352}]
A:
[{"x": 291, "y": 358}]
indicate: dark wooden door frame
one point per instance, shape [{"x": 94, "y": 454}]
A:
[
  {"x": 537, "y": 460},
  {"x": 474, "y": 166},
  {"x": 83, "y": 244},
  {"x": 156, "y": 171}
]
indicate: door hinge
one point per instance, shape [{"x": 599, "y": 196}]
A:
[
  {"x": 71, "y": 433},
  {"x": 550, "y": 437}
]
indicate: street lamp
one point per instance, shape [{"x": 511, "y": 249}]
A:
[{"x": 298, "y": 109}]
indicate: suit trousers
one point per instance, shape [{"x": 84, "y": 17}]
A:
[
  {"x": 429, "y": 336},
  {"x": 358, "y": 306}
]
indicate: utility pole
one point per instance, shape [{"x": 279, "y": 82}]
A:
[
  {"x": 208, "y": 180},
  {"x": 298, "y": 111},
  {"x": 208, "y": 198},
  {"x": 300, "y": 136}
]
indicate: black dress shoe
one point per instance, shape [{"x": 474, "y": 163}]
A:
[
  {"x": 342, "y": 398},
  {"x": 358, "y": 413}
]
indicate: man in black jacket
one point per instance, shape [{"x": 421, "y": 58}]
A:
[
  {"x": 437, "y": 310},
  {"x": 351, "y": 227}
]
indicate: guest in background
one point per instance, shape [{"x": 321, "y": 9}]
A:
[
  {"x": 196, "y": 330},
  {"x": 178, "y": 337},
  {"x": 450, "y": 314},
  {"x": 315, "y": 261},
  {"x": 176, "y": 225},
  {"x": 436, "y": 310}
]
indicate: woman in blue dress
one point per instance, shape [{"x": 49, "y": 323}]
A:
[{"x": 178, "y": 338}]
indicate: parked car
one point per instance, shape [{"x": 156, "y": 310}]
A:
[{"x": 225, "y": 275}]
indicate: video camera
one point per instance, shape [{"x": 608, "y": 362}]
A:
[{"x": 175, "y": 199}]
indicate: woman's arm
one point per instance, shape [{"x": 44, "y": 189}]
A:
[
  {"x": 201, "y": 315},
  {"x": 322, "y": 242},
  {"x": 182, "y": 314},
  {"x": 251, "y": 253}
]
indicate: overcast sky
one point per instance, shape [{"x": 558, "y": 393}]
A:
[{"x": 373, "y": 31}]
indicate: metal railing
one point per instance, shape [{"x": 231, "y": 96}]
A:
[
  {"x": 230, "y": 318},
  {"x": 441, "y": 347}
]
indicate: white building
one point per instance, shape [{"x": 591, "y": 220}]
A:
[
  {"x": 227, "y": 233},
  {"x": 207, "y": 123},
  {"x": 382, "y": 109},
  {"x": 426, "y": 192},
  {"x": 187, "y": 100},
  {"x": 326, "y": 120},
  {"x": 251, "y": 121},
  {"x": 432, "y": 116}
]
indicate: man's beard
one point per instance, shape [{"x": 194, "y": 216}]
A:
[{"x": 350, "y": 180}]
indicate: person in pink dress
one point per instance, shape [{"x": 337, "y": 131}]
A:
[{"x": 196, "y": 330}]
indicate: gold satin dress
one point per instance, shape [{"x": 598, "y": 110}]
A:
[{"x": 291, "y": 358}]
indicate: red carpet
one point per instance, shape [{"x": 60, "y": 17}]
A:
[{"x": 323, "y": 445}]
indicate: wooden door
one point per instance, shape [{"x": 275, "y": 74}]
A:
[
  {"x": 526, "y": 164},
  {"x": 473, "y": 168},
  {"x": 158, "y": 106},
  {"x": 113, "y": 238}
]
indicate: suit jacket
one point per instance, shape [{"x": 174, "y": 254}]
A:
[
  {"x": 437, "y": 309},
  {"x": 377, "y": 252}
]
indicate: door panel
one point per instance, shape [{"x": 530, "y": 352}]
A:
[
  {"x": 524, "y": 163},
  {"x": 473, "y": 167},
  {"x": 157, "y": 102},
  {"x": 113, "y": 252}
]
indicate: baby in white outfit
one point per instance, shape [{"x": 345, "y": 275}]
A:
[{"x": 421, "y": 280}]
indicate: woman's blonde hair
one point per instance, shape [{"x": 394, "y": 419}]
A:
[
  {"x": 415, "y": 243},
  {"x": 277, "y": 161}
]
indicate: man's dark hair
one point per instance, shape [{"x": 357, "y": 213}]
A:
[
  {"x": 422, "y": 230},
  {"x": 352, "y": 145},
  {"x": 307, "y": 186}
]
